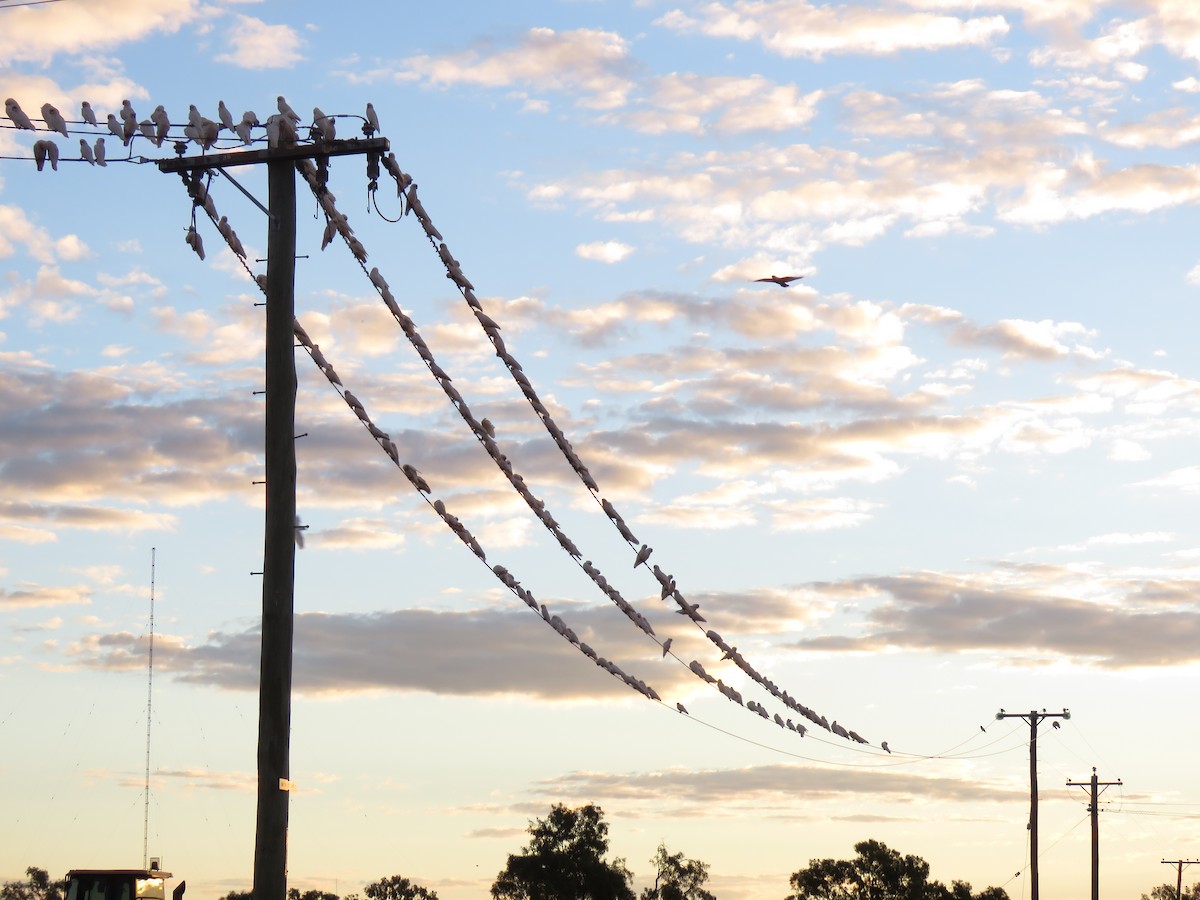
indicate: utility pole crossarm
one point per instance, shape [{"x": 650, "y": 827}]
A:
[
  {"x": 281, "y": 154},
  {"x": 1033, "y": 717}
]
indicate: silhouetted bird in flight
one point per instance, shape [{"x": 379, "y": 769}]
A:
[{"x": 781, "y": 280}]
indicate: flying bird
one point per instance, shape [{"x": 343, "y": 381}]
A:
[
  {"x": 13, "y": 110},
  {"x": 781, "y": 280},
  {"x": 54, "y": 119},
  {"x": 87, "y": 113}
]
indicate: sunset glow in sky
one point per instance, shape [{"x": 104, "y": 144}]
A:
[{"x": 951, "y": 470}]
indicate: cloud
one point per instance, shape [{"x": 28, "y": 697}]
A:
[
  {"x": 37, "y": 34},
  {"x": 481, "y": 652},
  {"x": 769, "y": 788},
  {"x": 256, "y": 45},
  {"x": 1028, "y": 615},
  {"x": 592, "y": 63},
  {"x": 797, "y": 28},
  {"x": 40, "y": 595},
  {"x": 604, "y": 251}
]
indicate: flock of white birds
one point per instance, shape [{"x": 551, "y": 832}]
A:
[{"x": 284, "y": 129}]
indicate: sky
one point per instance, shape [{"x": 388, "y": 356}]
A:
[{"x": 944, "y": 474}]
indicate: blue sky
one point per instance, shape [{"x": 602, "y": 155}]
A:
[{"x": 951, "y": 470}]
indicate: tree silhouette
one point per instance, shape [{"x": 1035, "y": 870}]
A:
[
  {"x": 564, "y": 861},
  {"x": 294, "y": 894},
  {"x": 878, "y": 873},
  {"x": 677, "y": 878},
  {"x": 1167, "y": 892},
  {"x": 36, "y": 886},
  {"x": 397, "y": 887}
]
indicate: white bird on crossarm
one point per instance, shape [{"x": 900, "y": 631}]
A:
[
  {"x": 13, "y": 110},
  {"x": 285, "y": 109},
  {"x": 54, "y": 119},
  {"x": 372, "y": 119},
  {"x": 225, "y": 116},
  {"x": 162, "y": 124},
  {"x": 324, "y": 124}
]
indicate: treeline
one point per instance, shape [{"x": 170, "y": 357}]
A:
[{"x": 566, "y": 858}]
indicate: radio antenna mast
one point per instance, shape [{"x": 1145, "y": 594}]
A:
[{"x": 149, "y": 711}]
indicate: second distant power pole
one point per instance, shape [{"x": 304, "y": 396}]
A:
[{"x": 1094, "y": 809}]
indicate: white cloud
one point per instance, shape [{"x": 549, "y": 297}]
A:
[
  {"x": 799, "y": 28},
  {"x": 604, "y": 251},
  {"x": 256, "y": 45},
  {"x": 38, "y": 34},
  {"x": 592, "y": 63}
]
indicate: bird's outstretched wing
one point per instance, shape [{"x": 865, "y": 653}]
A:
[{"x": 781, "y": 280}]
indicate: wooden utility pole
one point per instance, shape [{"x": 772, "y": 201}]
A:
[
  {"x": 1179, "y": 864},
  {"x": 1094, "y": 809},
  {"x": 279, "y": 542},
  {"x": 1033, "y": 717}
]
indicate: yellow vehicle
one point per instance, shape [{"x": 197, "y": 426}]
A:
[{"x": 121, "y": 884}]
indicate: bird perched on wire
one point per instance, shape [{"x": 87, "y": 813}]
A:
[
  {"x": 13, "y": 110},
  {"x": 88, "y": 114},
  {"x": 286, "y": 110},
  {"x": 129, "y": 117},
  {"x": 54, "y": 119},
  {"x": 781, "y": 280},
  {"x": 162, "y": 124}
]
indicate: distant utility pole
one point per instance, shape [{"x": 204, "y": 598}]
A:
[
  {"x": 1033, "y": 717},
  {"x": 279, "y": 543},
  {"x": 1179, "y": 864},
  {"x": 1094, "y": 809}
]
